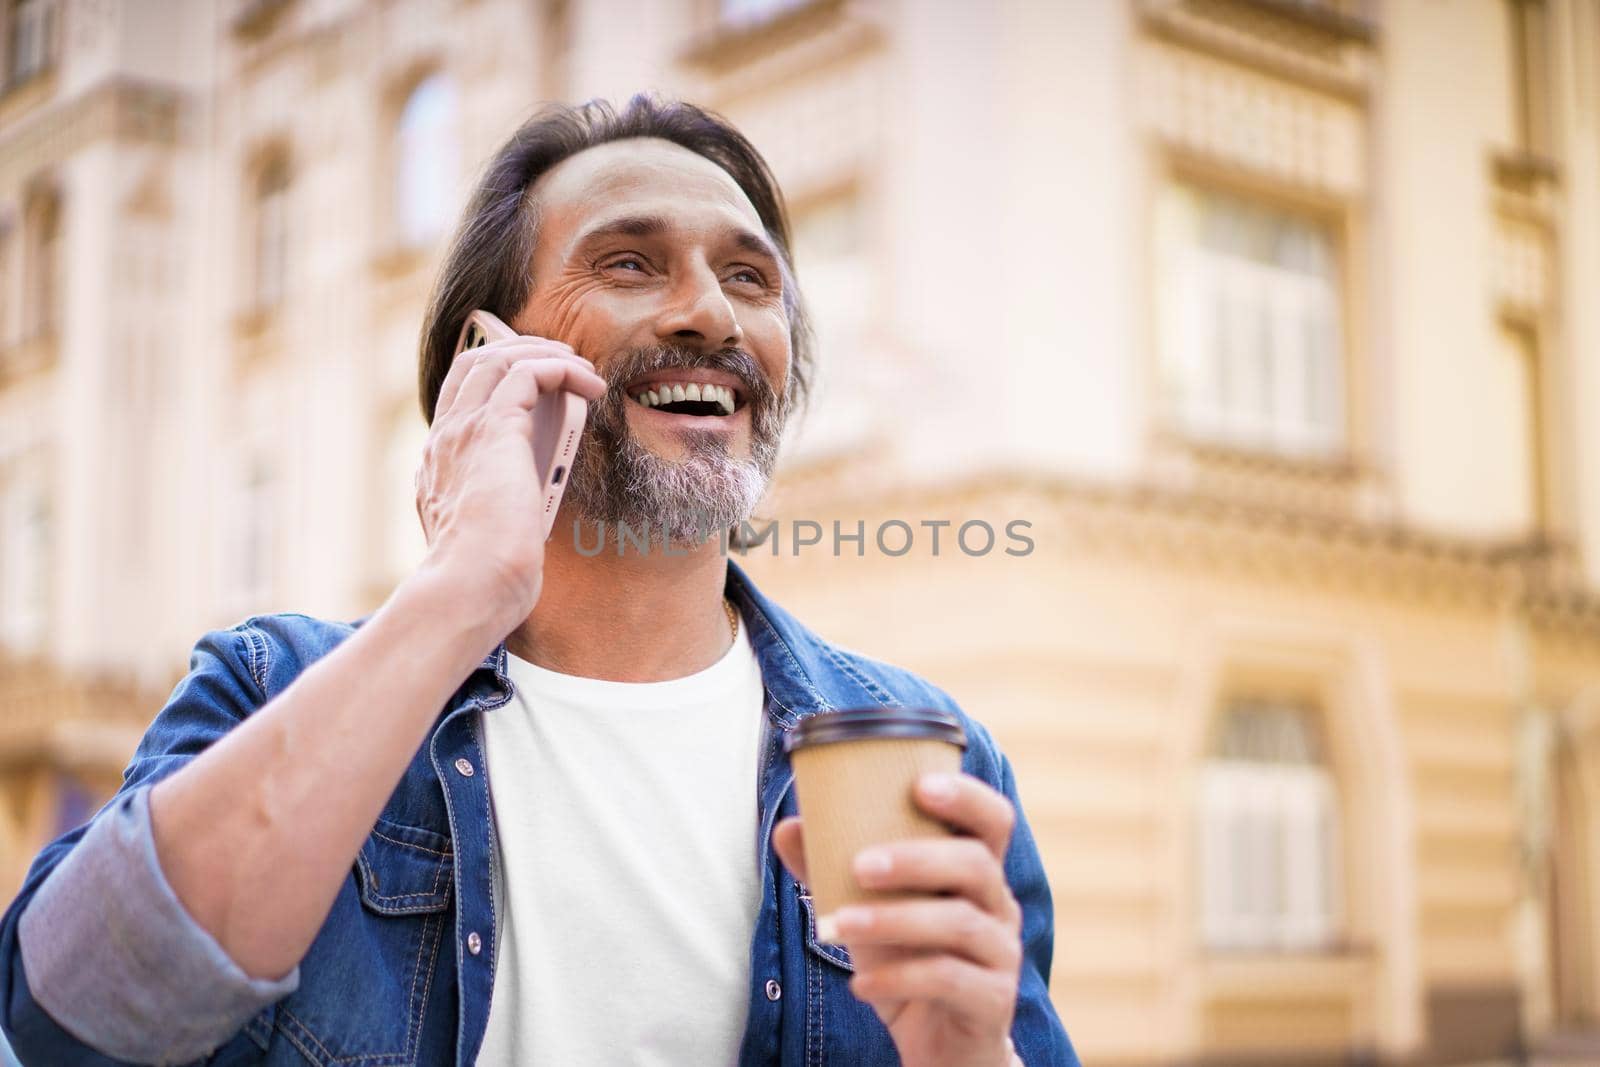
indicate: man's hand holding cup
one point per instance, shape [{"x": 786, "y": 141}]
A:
[{"x": 906, "y": 868}]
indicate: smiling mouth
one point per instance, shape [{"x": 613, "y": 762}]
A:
[{"x": 689, "y": 398}]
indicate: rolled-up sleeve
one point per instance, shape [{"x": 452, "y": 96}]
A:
[
  {"x": 100, "y": 963},
  {"x": 111, "y": 954}
]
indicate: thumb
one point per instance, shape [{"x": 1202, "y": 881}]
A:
[{"x": 789, "y": 843}]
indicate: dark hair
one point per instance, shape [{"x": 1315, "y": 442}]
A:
[{"x": 489, "y": 264}]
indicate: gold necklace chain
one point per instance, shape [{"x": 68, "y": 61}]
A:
[{"x": 733, "y": 618}]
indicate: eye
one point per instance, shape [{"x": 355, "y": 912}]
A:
[
  {"x": 748, "y": 274},
  {"x": 633, "y": 263}
]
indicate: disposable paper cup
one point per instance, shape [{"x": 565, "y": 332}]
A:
[{"x": 855, "y": 772}]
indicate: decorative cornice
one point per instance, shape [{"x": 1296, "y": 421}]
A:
[
  {"x": 1384, "y": 560},
  {"x": 1557, "y": 602},
  {"x": 1334, "y": 18},
  {"x": 254, "y": 18},
  {"x": 1315, "y": 47},
  {"x": 1338, "y": 485},
  {"x": 124, "y": 109},
  {"x": 1523, "y": 170},
  {"x": 726, "y": 46},
  {"x": 295, "y": 41}
]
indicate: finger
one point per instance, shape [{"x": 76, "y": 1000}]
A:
[
  {"x": 960, "y": 865},
  {"x": 551, "y": 352},
  {"x": 971, "y": 805},
  {"x": 789, "y": 841},
  {"x": 463, "y": 363},
  {"x": 539, "y": 346},
  {"x": 521, "y": 385},
  {"x": 452, "y": 383},
  {"x": 963, "y": 988},
  {"x": 526, "y": 380},
  {"x": 948, "y": 925},
  {"x": 534, "y": 346},
  {"x": 551, "y": 373},
  {"x": 480, "y": 380}
]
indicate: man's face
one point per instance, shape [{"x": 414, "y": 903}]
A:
[{"x": 653, "y": 264}]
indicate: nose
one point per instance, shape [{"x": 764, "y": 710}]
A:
[{"x": 698, "y": 312}]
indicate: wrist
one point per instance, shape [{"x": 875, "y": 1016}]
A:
[{"x": 457, "y": 602}]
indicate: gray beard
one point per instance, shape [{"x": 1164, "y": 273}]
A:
[{"x": 618, "y": 481}]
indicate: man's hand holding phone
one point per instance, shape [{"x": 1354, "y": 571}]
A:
[{"x": 479, "y": 488}]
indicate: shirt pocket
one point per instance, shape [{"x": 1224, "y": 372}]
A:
[
  {"x": 366, "y": 984},
  {"x": 404, "y": 870}
]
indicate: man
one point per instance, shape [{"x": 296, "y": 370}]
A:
[{"x": 532, "y": 809}]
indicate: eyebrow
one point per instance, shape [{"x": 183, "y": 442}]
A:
[{"x": 656, "y": 225}]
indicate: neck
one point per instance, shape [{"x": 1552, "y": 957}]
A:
[{"x": 637, "y": 617}]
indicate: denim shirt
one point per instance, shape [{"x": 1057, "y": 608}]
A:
[{"x": 402, "y": 969}]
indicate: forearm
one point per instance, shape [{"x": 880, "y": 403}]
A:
[{"x": 256, "y": 835}]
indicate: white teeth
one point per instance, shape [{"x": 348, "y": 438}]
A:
[{"x": 720, "y": 395}]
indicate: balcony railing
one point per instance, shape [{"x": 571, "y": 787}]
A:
[
  {"x": 19, "y": 360},
  {"x": 50, "y": 716}
]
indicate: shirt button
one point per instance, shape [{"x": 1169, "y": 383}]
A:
[
  {"x": 774, "y": 990},
  {"x": 474, "y": 943},
  {"x": 464, "y": 766}
]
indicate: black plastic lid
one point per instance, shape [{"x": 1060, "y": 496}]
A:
[{"x": 858, "y": 724}]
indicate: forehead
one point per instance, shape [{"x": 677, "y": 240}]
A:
[{"x": 638, "y": 176}]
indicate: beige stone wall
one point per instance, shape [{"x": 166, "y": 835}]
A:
[
  {"x": 1100, "y": 663},
  {"x": 982, "y": 186}
]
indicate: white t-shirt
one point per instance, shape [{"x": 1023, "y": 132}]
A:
[{"x": 628, "y": 885}]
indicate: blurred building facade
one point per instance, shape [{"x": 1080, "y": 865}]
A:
[{"x": 1273, "y": 320}]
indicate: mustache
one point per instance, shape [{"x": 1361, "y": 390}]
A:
[{"x": 663, "y": 356}]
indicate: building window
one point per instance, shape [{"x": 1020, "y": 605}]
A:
[
  {"x": 30, "y": 38},
  {"x": 425, "y": 162},
  {"x": 738, "y": 14},
  {"x": 25, "y": 564},
  {"x": 828, "y": 246},
  {"x": 1269, "y": 833},
  {"x": 270, "y": 237},
  {"x": 1519, "y": 371},
  {"x": 251, "y": 546},
  {"x": 831, "y": 258},
  {"x": 1251, "y": 348},
  {"x": 42, "y": 265}
]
